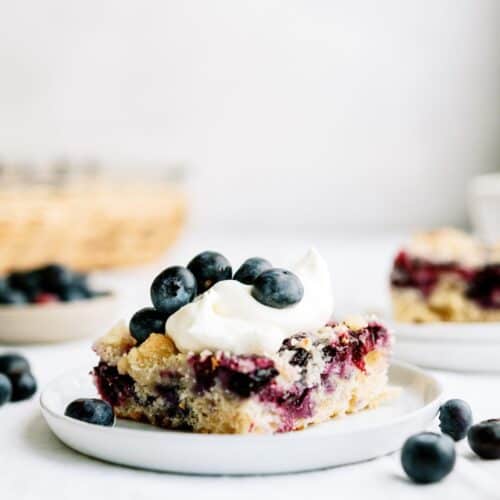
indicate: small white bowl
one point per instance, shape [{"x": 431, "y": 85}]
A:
[
  {"x": 484, "y": 206},
  {"x": 58, "y": 321}
]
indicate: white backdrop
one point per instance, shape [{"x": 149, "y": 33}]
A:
[{"x": 347, "y": 113}]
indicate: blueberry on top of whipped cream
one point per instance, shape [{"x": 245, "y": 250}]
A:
[
  {"x": 227, "y": 317},
  {"x": 202, "y": 307}
]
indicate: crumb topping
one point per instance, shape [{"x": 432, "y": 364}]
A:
[{"x": 447, "y": 245}]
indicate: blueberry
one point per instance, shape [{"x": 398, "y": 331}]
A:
[
  {"x": 55, "y": 277},
  {"x": 209, "y": 268},
  {"x": 5, "y": 389},
  {"x": 173, "y": 288},
  {"x": 278, "y": 288},
  {"x": 484, "y": 438},
  {"x": 145, "y": 322},
  {"x": 28, "y": 282},
  {"x": 80, "y": 279},
  {"x": 455, "y": 418},
  {"x": 92, "y": 411},
  {"x": 72, "y": 293},
  {"x": 246, "y": 384},
  {"x": 11, "y": 364},
  {"x": 10, "y": 296},
  {"x": 250, "y": 269},
  {"x": 23, "y": 386},
  {"x": 301, "y": 357},
  {"x": 428, "y": 457}
]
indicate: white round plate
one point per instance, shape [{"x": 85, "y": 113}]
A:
[
  {"x": 345, "y": 440},
  {"x": 464, "y": 347},
  {"x": 471, "y": 347},
  {"x": 57, "y": 321}
]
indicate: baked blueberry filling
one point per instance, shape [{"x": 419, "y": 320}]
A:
[
  {"x": 410, "y": 272},
  {"x": 485, "y": 287},
  {"x": 482, "y": 285},
  {"x": 320, "y": 362},
  {"x": 113, "y": 387},
  {"x": 242, "y": 375}
]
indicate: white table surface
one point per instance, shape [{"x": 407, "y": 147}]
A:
[{"x": 35, "y": 465}]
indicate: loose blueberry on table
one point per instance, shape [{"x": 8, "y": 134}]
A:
[
  {"x": 428, "y": 457},
  {"x": 45, "y": 285},
  {"x": 92, "y": 411},
  {"x": 17, "y": 383},
  {"x": 23, "y": 386},
  {"x": 484, "y": 438},
  {"x": 455, "y": 418}
]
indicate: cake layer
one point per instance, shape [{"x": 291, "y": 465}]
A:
[
  {"x": 446, "y": 303},
  {"x": 338, "y": 369},
  {"x": 426, "y": 291}
]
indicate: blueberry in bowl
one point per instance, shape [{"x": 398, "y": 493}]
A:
[
  {"x": 51, "y": 303},
  {"x": 45, "y": 285},
  {"x": 5, "y": 389}
]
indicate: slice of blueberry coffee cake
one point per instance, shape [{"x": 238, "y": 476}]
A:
[
  {"x": 254, "y": 354},
  {"x": 446, "y": 275}
]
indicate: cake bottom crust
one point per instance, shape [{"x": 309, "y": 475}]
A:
[
  {"x": 215, "y": 412},
  {"x": 447, "y": 302}
]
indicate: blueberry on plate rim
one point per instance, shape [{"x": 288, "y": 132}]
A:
[
  {"x": 173, "y": 288},
  {"x": 145, "y": 322},
  {"x": 278, "y": 288},
  {"x": 209, "y": 268},
  {"x": 248, "y": 272},
  {"x": 428, "y": 457},
  {"x": 484, "y": 438},
  {"x": 92, "y": 411},
  {"x": 455, "y": 418}
]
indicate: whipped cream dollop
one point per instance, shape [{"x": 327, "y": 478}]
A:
[{"x": 226, "y": 317}]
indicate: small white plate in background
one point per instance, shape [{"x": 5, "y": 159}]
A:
[
  {"x": 461, "y": 347},
  {"x": 465, "y": 347}
]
